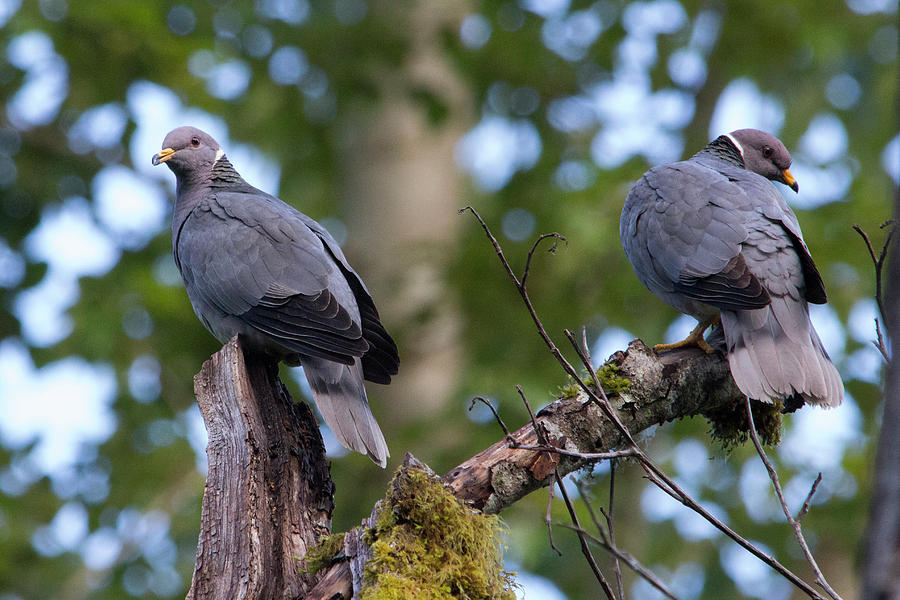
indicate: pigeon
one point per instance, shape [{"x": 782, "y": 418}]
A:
[
  {"x": 713, "y": 237},
  {"x": 253, "y": 265}
]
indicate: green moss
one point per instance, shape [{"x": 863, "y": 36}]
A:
[
  {"x": 322, "y": 555},
  {"x": 730, "y": 428},
  {"x": 428, "y": 545},
  {"x": 570, "y": 390},
  {"x": 607, "y": 375},
  {"x": 612, "y": 383}
]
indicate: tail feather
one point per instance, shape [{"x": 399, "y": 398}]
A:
[
  {"x": 774, "y": 352},
  {"x": 834, "y": 386},
  {"x": 341, "y": 398}
]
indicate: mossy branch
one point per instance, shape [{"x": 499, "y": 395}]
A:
[{"x": 662, "y": 388}]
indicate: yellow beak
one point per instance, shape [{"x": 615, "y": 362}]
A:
[
  {"x": 787, "y": 178},
  {"x": 164, "y": 155}
]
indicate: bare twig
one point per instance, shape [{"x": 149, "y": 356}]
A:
[
  {"x": 628, "y": 559},
  {"x": 570, "y": 370},
  {"x": 538, "y": 431},
  {"x": 496, "y": 416},
  {"x": 805, "y": 508},
  {"x": 878, "y": 262},
  {"x": 557, "y": 238},
  {"x": 585, "y": 355},
  {"x": 549, "y": 518},
  {"x": 610, "y": 523},
  {"x": 654, "y": 473},
  {"x": 585, "y": 549},
  {"x": 585, "y": 456},
  {"x": 794, "y": 523},
  {"x": 878, "y": 342},
  {"x": 583, "y": 539}
]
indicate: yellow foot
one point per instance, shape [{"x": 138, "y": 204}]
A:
[{"x": 694, "y": 338}]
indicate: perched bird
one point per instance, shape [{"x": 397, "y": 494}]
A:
[
  {"x": 254, "y": 266},
  {"x": 713, "y": 237}
]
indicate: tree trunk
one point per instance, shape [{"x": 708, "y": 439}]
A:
[
  {"x": 402, "y": 190},
  {"x": 269, "y": 494}
]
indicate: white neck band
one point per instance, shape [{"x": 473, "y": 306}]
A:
[{"x": 733, "y": 141}]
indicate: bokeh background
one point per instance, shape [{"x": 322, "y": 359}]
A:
[{"x": 380, "y": 119}]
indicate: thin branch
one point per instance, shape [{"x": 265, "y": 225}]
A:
[
  {"x": 878, "y": 261},
  {"x": 537, "y": 429},
  {"x": 585, "y": 456},
  {"x": 549, "y": 518},
  {"x": 878, "y": 342},
  {"x": 805, "y": 508},
  {"x": 583, "y": 539},
  {"x": 569, "y": 369},
  {"x": 555, "y": 475},
  {"x": 629, "y": 560},
  {"x": 496, "y": 416},
  {"x": 557, "y": 238},
  {"x": 795, "y": 524},
  {"x": 610, "y": 523},
  {"x": 585, "y": 355}
]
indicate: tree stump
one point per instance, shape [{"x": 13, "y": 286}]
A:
[{"x": 269, "y": 494}]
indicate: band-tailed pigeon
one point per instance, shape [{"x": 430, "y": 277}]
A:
[
  {"x": 714, "y": 238},
  {"x": 254, "y": 266}
]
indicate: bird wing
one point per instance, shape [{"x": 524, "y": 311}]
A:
[
  {"x": 776, "y": 352},
  {"x": 692, "y": 220},
  {"x": 382, "y": 359},
  {"x": 778, "y": 211},
  {"x": 247, "y": 255}
]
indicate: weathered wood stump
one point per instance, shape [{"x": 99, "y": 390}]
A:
[{"x": 269, "y": 494}]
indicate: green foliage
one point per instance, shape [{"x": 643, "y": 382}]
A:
[{"x": 427, "y": 545}]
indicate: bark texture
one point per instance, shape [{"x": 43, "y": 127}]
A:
[{"x": 269, "y": 494}]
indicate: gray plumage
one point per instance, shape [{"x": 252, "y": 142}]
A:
[
  {"x": 713, "y": 237},
  {"x": 254, "y": 266}
]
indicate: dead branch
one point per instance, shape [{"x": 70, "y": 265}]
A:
[
  {"x": 663, "y": 388},
  {"x": 878, "y": 261},
  {"x": 794, "y": 523}
]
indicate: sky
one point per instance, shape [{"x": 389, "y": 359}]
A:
[{"x": 122, "y": 209}]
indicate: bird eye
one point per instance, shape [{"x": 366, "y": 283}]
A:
[
  {"x": 195, "y": 141},
  {"x": 767, "y": 152}
]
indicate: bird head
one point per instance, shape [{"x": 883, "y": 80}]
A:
[
  {"x": 765, "y": 155},
  {"x": 188, "y": 150}
]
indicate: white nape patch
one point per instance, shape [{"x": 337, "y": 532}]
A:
[
  {"x": 219, "y": 154},
  {"x": 733, "y": 141}
]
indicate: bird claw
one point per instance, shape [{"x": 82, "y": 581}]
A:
[
  {"x": 693, "y": 340},
  {"x": 685, "y": 343}
]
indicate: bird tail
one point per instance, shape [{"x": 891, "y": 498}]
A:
[
  {"x": 341, "y": 398},
  {"x": 774, "y": 352}
]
